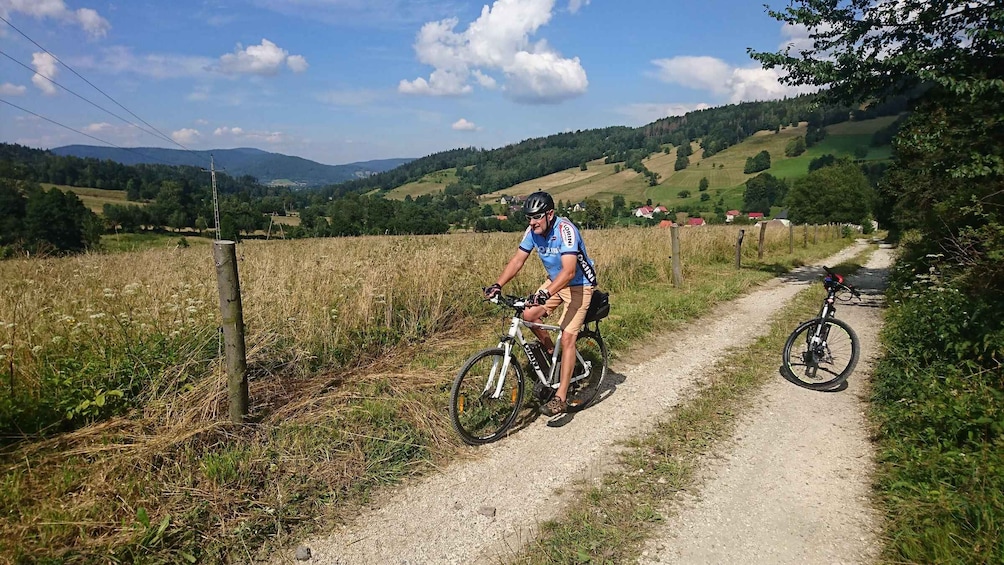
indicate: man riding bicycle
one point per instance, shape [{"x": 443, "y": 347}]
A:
[{"x": 571, "y": 278}]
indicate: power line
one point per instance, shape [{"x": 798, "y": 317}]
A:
[
  {"x": 161, "y": 136},
  {"x": 85, "y": 134},
  {"x": 92, "y": 84}
]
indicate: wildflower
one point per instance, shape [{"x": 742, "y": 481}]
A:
[
  {"x": 58, "y": 339},
  {"x": 36, "y": 350},
  {"x": 6, "y": 347},
  {"x": 97, "y": 316},
  {"x": 131, "y": 288}
]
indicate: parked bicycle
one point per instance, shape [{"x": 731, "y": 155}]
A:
[
  {"x": 822, "y": 352},
  {"x": 488, "y": 392}
]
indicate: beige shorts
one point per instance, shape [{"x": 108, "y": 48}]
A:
[{"x": 576, "y": 300}]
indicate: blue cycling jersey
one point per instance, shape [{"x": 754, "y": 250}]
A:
[{"x": 562, "y": 239}]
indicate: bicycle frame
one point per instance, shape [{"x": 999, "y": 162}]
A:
[
  {"x": 508, "y": 343},
  {"x": 828, "y": 310}
]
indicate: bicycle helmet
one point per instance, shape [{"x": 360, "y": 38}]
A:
[{"x": 538, "y": 202}]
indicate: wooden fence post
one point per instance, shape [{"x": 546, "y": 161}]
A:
[
  {"x": 739, "y": 249},
  {"x": 759, "y": 247},
  {"x": 805, "y": 235},
  {"x": 225, "y": 257},
  {"x": 791, "y": 239},
  {"x": 674, "y": 232}
]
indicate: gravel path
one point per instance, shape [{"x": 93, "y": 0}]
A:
[
  {"x": 480, "y": 511},
  {"x": 792, "y": 485}
]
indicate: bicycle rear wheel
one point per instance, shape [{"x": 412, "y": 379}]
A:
[
  {"x": 824, "y": 361},
  {"x": 484, "y": 402},
  {"x": 589, "y": 345}
]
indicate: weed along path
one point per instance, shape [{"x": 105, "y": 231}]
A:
[{"x": 484, "y": 510}]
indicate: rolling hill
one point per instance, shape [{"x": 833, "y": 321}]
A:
[
  {"x": 268, "y": 168},
  {"x": 724, "y": 170}
]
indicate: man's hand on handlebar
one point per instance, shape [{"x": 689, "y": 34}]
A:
[
  {"x": 492, "y": 291},
  {"x": 538, "y": 298}
]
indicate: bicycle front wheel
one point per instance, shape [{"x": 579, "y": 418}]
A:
[
  {"x": 486, "y": 396},
  {"x": 586, "y": 379},
  {"x": 818, "y": 356}
]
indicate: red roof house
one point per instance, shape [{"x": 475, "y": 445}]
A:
[
  {"x": 695, "y": 221},
  {"x": 756, "y": 215}
]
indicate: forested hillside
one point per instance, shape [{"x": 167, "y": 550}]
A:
[{"x": 269, "y": 168}]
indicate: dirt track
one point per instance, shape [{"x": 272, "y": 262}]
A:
[{"x": 790, "y": 487}]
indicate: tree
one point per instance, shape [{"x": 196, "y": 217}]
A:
[
  {"x": 12, "y": 207},
  {"x": 762, "y": 192},
  {"x": 681, "y": 163},
  {"x": 619, "y": 205},
  {"x": 838, "y": 193},
  {"x": 683, "y": 194},
  {"x": 703, "y": 185},
  {"x": 795, "y": 147},
  {"x": 52, "y": 217},
  {"x": 757, "y": 163}
]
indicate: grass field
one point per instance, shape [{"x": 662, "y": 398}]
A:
[
  {"x": 429, "y": 184},
  {"x": 94, "y": 198}
]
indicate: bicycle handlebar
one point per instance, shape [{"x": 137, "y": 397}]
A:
[
  {"x": 840, "y": 284},
  {"x": 509, "y": 301}
]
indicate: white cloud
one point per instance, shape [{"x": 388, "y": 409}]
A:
[
  {"x": 484, "y": 80},
  {"x": 464, "y": 125},
  {"x": 646, "y": 113},
  {"x": 242, "y": 135},
  {"x": 700, "y": 73},
  {"x": 98, "y": 127},
  {"x": 264, "y": 59},
  {"x": 575, "y": 5},
  {"x": 186, "y": 135},
  {"x": 499, "y": 40},
  {"x": 297, "y": 63},
  {"x": 229, "y": 131},
  {"x": 545, "y": 78},
  {"x": 8, "y": 89},
  {"x": 734, "y": 84},
  {"x": 88, "y": 19},
  {"x": 45, "y": 68}
]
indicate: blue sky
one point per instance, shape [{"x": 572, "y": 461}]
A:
[{"x": 340, "y": 81}]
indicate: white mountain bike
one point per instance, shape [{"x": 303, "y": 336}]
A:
[{"x": 488, "y": 392}]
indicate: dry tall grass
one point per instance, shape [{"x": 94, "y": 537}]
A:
[
  {"x": 351, "y": 344},
  {"x": 305, "y": 296}
]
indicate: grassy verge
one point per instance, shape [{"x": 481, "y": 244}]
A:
[
  {"x": 350, "y": 375},
  {"x": 939, "y": 408},
  {"x": 610, "y": 522}
]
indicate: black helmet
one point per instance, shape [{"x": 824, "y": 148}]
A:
[{"x": 538, "y": 202}]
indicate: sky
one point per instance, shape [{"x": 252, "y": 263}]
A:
[{"x": 343, "y": 81}]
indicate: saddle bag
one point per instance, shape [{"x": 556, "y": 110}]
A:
[{"x": 599, "y": 306}]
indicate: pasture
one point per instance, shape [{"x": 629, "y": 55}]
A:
[
  {"x": 94, "y": 198},
  {"x": 115, "y": 401}
]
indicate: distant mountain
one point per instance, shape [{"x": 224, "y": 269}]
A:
[{"x": 268, "y": 168}]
